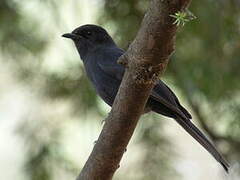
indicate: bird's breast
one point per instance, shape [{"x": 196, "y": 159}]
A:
[{"x": 105, "y": 85}]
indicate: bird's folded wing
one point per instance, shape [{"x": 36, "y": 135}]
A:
[
  {"x": 163, "y": 101},
  {"x": 162, "y": 91},
  {"x": 109, "y": 64}
]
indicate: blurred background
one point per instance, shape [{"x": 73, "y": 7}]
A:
[{"x": 50, "y": 115}]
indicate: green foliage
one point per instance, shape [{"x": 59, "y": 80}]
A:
[
  {"x": 205, "y": 65},
  {"x": 124, "y": 17},
  {"x": 45, "y": 149},
  {"x": 157, "y": 149},
  {"x": 16, "y": 26},
  {"x": 77, "y": 89},
  {"x": 181, "y": 18},
  {"x": 22, "y": 46}
]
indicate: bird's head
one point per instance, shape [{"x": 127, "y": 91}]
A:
[{"x": 89, "y": 37}]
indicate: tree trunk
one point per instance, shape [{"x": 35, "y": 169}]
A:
[{"x": 145, "y": 60}]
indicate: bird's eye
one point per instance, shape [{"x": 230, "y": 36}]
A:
[{"x": 89, "y": 33}]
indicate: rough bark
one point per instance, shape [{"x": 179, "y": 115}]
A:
[{"x": 145, "y": 59}]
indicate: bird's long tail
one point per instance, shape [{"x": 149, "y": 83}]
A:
[{"x": 201, "y": 138}]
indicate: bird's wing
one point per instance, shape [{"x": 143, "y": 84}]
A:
[
  {"x": 109, "y": 64},
  {"x": 162, "y": 93}
]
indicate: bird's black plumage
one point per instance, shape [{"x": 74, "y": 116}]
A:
[{"x": 100, "y": 54}]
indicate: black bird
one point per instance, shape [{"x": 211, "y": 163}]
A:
[{"x": 99, "y": 54}]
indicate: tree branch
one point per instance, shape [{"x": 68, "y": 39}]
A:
[{"x": 145, "y": 59}]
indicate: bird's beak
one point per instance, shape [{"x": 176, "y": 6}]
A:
[{"x": 70, "y": 35}]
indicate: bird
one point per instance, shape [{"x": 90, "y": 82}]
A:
[{"x": 100, "y": 53}]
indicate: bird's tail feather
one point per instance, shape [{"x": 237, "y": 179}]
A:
[{"x": 201, "y": 138}]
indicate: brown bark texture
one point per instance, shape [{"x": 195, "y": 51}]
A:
[{"x": 145, "y": 60}]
